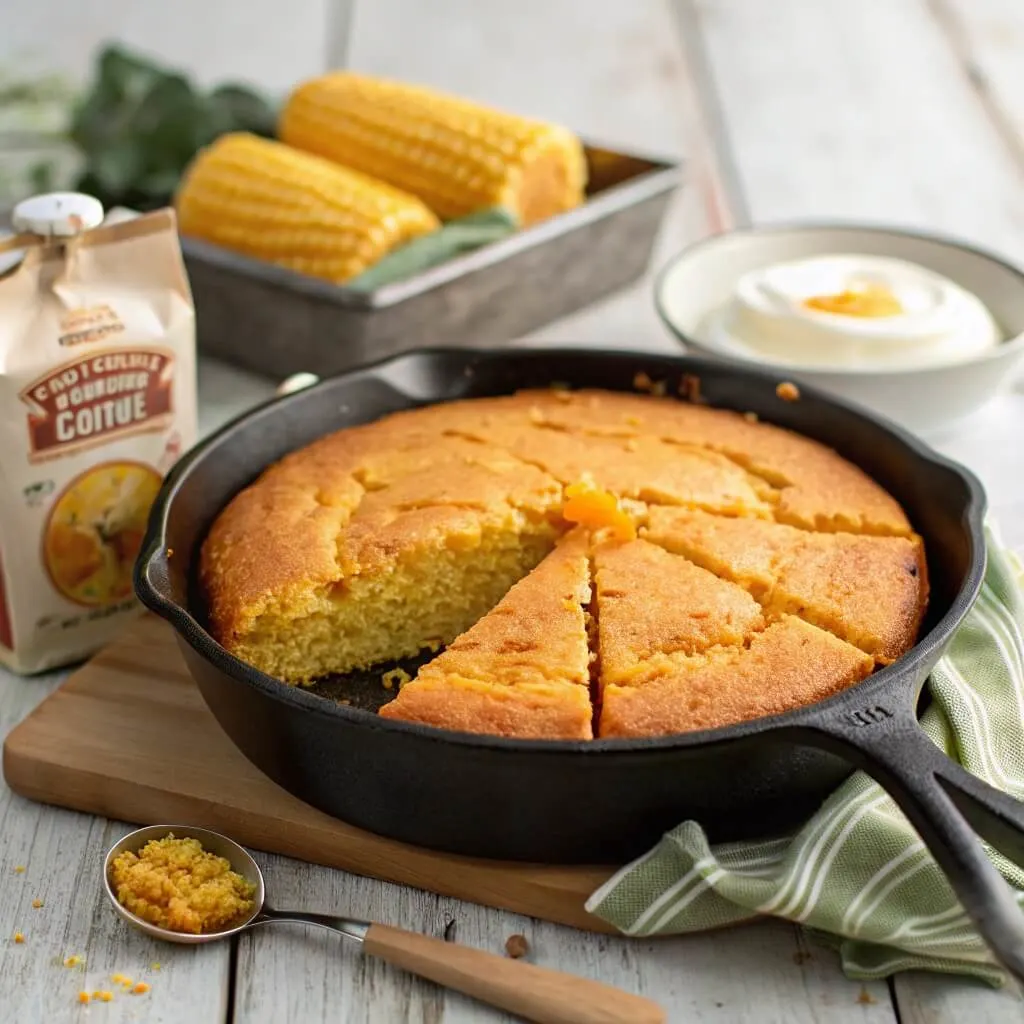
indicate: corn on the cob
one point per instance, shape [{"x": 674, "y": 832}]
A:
[
  {"x": 267, "y": 200},
  {"x": 456, "y": 156}
]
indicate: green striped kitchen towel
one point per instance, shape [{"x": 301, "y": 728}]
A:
[{"x": 857, "y": 871}]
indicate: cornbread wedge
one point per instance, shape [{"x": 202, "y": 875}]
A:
[
  {"x": 650, "y": 602},
  {"x": 788, "y": 665},
  {"x": 523, "y": 669},
  {"x": 871, "y": 591}
]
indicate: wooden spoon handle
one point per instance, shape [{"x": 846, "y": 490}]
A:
[{"x": 536, "y": 993}]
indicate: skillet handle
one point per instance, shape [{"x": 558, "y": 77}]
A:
[{"x": 946, "y": 805}]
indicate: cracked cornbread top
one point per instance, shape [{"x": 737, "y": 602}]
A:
[{"x": 762, "y": 570}]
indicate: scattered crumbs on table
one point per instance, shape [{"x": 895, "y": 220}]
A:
[
  {"x": 516, "y": 946},
  {"x": 866, "y": 997},
  {"x": 103, "y": 995},
  {"x": 154, "y": 966},
  {"x": 140, "y": 988},
  {"x": 801, "y": 956},
  {"x": 751, "y": 417},
  {"x": 74, "y": 960},
  {"x": 123, "y": 980},
  {"x": 19, "y": 869},
  {"x": 788, "y": 391},
  {"x": 19, "y": 938},
  {"x": 84, "y": 997},
  {"x": 37, "y": 904}
]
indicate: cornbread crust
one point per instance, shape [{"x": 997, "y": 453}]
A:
[
  {"x": 377, "y": 541},
  {"x": 523, "y": 669},
  {"x": 650, "y": 602},
  {"x": 789, "y": 664},
  {"x": 870, "y": 591}
]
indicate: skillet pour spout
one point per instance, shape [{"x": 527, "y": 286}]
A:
[{"x": 605, "y": 801}]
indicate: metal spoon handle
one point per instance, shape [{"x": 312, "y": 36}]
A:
[
  {"x": 536, "y": 993},
  {"x": 347, "y": 926}
]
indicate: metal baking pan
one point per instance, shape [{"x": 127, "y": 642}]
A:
[{"x": 278, "y": 322}]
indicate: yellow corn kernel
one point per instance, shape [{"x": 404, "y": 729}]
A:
[
  {"x": 19, "y": 938},
  {"x": 457, "y": 156},
  {"x": 266, "y": 200}
]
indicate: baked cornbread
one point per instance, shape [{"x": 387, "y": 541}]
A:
[
  {"x": 755, "y": 546},
  {"x": 868, "y": 590},
  {"x": 789, "y": 664},
  {"x": 524, "y": 668}
]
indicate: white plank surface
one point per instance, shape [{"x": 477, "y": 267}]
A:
[
  {"x": 860, "y": 111},
  {"x": 62, "y": 854},
  {"x": 767, "y": 973}
]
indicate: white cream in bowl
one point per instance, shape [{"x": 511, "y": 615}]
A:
[{"x": 851, "y": 311}]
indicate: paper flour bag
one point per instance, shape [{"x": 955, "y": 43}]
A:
[{"x": 97, "y": 400}]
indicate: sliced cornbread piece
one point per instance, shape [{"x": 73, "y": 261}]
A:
[
  {"x": 652, "y": 602},
  {"x": 638, "y": 468},
  {"x": 524, "y": 669},
  {"x": 378, "y": 549},
  {"x": 870, "y": 591},
  {"x": 790, "y": 664},
  {"x": 815, "y": 487}
]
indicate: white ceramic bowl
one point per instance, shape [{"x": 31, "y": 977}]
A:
[{"x": 701, "y": 278}]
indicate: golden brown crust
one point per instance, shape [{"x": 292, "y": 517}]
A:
[
  {"x": 871, "y": 591},
  {"x": 788, "y": 665},
  {"x": 651, "y": 602},
  {"x": 523, "y": 669}
]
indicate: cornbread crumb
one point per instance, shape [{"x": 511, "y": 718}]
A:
[
  {"x": 689, "y": 388},
  {"x": 642, "y": 381},
  {"x": 788, "y": 391},
  {"x": 155, "y": 966},
  {"x": 19, "y": 938},
  {"x": 19, "y": 869},
  {"x": 865, "y": 997},
  {"x": 36, "y": 904},
  {"x": 395, "y": 677},
  {"x": 751, "y": 417},
  {"x": 516, "y": 946},
  {"x": 104, "y": 996},
  {"x": 83, "y": 997},
  {"x": 176, "y": 884},
  {"x": 120, "y": 979},
  {"x": 140, "y": 989},
  {"x": 74, "y": 960}
]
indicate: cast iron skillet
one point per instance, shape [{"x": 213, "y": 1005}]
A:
[{"x": 607, "y": 800}]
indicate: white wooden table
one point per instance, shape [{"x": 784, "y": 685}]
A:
[{"x": 905, "y": 111}]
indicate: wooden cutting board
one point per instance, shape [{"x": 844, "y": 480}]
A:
[{"x": 129, "y": 737}]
